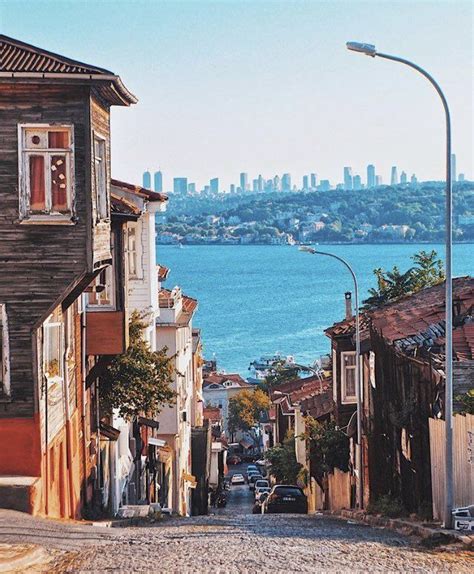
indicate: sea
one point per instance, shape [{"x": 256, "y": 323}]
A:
[{"x": 257, "y": 300}]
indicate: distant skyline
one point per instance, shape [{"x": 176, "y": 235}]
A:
[{"x": 268, "y": 87}]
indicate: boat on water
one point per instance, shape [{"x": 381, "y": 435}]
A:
[{"x": 261, "y": 368}]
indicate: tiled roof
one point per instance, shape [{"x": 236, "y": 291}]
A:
[
  {"x": 318, "y": 405},
  {"x": 189, "y": 304},
  {"x": 163, "y": 272},
  {"x": 300, "y": 389},
  {"x": 120, "y": 206},
  {"x": 220, "y": 378},
  {"x": 419, "y": 320},
  {"x": 138, "y": 190},
  {"x": 19, "y": 59},
  {"x": 212, "y": 414}
]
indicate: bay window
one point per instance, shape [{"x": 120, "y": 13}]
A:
[
  {"x": 46, "y": 167},
  {"x": 100, "y": 163}
]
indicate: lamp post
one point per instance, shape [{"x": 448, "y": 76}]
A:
[
  {"x": 359, "y": 468},
  {"x": 370, "y": 50}
]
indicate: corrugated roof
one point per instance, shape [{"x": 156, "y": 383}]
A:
[
  {"x": 17, "y": 57},
  {"x": 138, "y": 190}
]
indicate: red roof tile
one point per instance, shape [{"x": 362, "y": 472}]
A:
[
  {"x": 220, "y": 378},
  {"x": 120, "y": 206},
  {"x": 212, "y": 414},
  {"x": 163, "y": 272}
]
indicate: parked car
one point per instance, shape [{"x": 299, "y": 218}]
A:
[
  {"x": 286, "y": 498},
  {"x": 234, "y": 459},
  {"x": 261, "y": 484},
  {"x": 253, "y": 479},
  {"x": 237, "y": 478}
]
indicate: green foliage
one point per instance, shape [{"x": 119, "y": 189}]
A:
[
  {"x": 387, "y": 506},
  {"x": 467, "y": 402},
  {"x": 328, "y": 447},
  {"x": 246, "y": 407},
  {"x": 280, "y": 373},
  {"x": 393, "y": 285},
  {"x": 138, "y": 381},
  {"x": 282, "y": 458}
]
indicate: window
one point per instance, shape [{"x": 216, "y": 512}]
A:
[
  {"x": 101, "y": 292},
  {"x": 134, "y": 251},
  {"x": 102, "y": 204},
  {"x": 53, "y": 347},
  {"x": 46, "y": 168},
  {"x": 4, "y": 354},
  {"x": 348, "y": 377}
]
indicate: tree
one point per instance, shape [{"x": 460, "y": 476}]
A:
[
  {"x": 282, "y": 458},
  {"x": 245, "y": 409},
  {"x": 138, "y": 381},
  {"x": 280, "y": 373},
  {"x": 393, "y": 285},
  {"x": 328, "y": 447}
]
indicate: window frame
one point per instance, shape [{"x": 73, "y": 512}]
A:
[
  {"x": 111, "y": 286},
  {"x": 334, "y": 375},
  {"x": 136, "y": 226},
  {"x": 102, "y": 200},
  {"x": 48, "y": 325},
  {"x": 345, "y": 398},
  {"x": 4, "y": 354},
  {"x": 24, "y": 184}
]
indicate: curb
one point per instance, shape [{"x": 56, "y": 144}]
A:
[
  {"x": 429, "y": 536},
  {"x": 19, "y": 558}
]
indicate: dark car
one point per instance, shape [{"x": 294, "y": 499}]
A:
[
  {"x": 253, "y": 479},
  {"x": 286, "y": 498}
]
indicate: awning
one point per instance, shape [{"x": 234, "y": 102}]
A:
[
  {"x": 156, "y": 442},
  {"x": 148, "y": 422},
  {"x": 109, "y": 431}
]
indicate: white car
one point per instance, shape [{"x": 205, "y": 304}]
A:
[{"x": 237, "y": 479}]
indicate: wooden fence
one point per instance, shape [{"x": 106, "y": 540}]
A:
[
  {"x": 339, "y": 490},
  {"x": 463, "y": 456}
]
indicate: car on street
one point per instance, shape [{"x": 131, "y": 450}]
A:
[
  {"x": 260, "y": 485},
  {"x": 237, "y": 478},
  {"x": 286, "y": 498},
  {"x": 253, "y": 479}
]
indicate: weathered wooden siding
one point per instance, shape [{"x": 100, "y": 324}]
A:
[
  {"x": 39, "y": 262},
  {"x": 463, "y": 457}
]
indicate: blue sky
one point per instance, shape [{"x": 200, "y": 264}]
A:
[{"x": 268, "y": 86}]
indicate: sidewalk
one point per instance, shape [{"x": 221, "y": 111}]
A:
[{"x": 431, "y": 535}]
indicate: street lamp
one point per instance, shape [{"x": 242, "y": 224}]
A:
[
  {"x": 369, "y": 50},
  {"x": 359, "y": 468}
]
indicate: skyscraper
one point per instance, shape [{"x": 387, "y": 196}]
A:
[
  {"x": 394, "y": 176},
  {"x": 370, "y": 176},
  {"x": 461, "y": 177},
  {"x": 286, "y": 182},
  {"x": 348, "y": 178},
  {"x": 147, "y": 180},
  {"x": 413, "y": 181},
  {"x": 453, "y": 166},
  {"x": 180, "y": 185},
  {"x": 305, "y": 182},
  {"x": 357, "y": 182},
  {"x": 314, "y": 181},
  {"x": 255, "y": 185},
  {"x": 192, "y": 187},
  {"x": 244, "y": 181},
  {"x": 232, "y": 188},
  {"x": 324, "y": 185},
  {"x": 158, "y": 181},
  {"x": 276, "y": 183},
  {"x": 214, "y": 185},
  {"x": 378, "y": 180},
  {"x": 403, "y": 177}
]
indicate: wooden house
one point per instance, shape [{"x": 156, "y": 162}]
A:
[{"x": 55, "y": 241}]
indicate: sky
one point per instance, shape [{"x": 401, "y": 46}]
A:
[{"x": 268, "y": 86}]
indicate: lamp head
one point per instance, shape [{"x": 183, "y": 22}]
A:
[{"x": 367, "y": 49}]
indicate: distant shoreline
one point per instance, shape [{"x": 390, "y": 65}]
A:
[{"x": 216, "y": 244}]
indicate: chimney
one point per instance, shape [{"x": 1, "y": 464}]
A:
[{"x": 348, "y": 298}]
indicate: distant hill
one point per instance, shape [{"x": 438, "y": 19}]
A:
[{"x": 383, "y": 214}]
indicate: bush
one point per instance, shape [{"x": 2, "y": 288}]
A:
[{"x": 387, "y": 506}]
